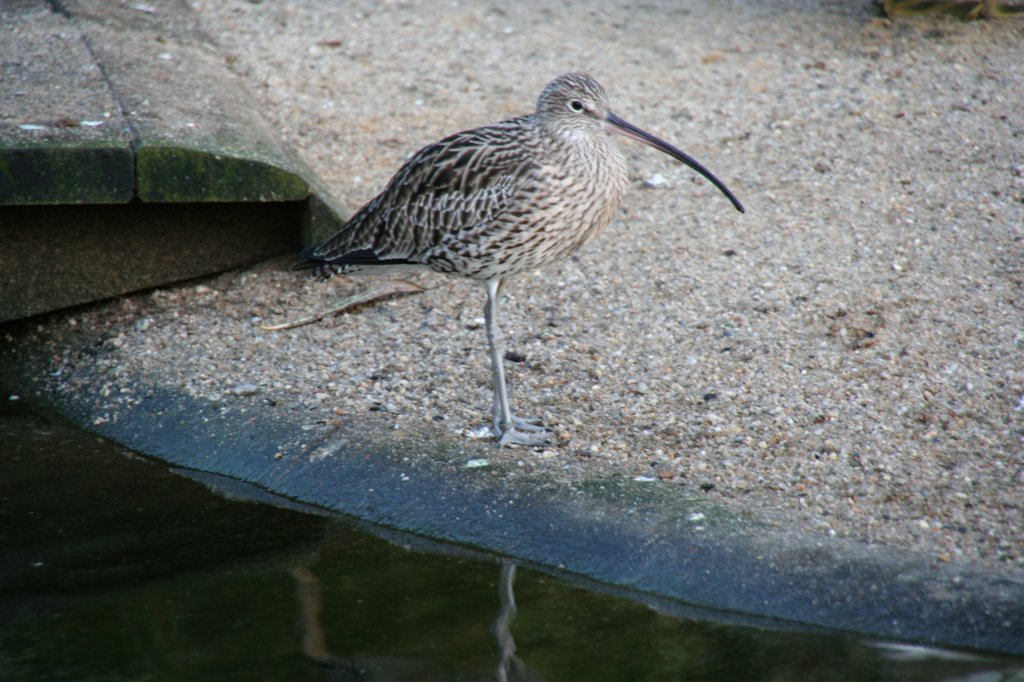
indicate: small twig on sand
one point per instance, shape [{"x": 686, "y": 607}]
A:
[{"x": 390, "y": 288}]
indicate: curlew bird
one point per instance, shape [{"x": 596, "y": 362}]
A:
[{"x": 495, "y": 201}]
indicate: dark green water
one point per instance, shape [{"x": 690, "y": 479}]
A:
[{"x": 114, "y": 568}]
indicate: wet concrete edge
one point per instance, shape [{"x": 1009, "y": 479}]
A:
[{"x": 636, "y": 538}]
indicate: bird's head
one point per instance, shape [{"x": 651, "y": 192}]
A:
[{"x": 575, "y": 104}]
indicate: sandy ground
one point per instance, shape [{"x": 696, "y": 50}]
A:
[{"x": 845, "y": 357}]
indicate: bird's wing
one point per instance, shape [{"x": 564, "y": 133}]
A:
[{"x": 454, "y": 185}]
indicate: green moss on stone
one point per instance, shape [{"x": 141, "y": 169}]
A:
[
  {"x": 61, "y": 174},
  {"x": 169, "y": 174}
]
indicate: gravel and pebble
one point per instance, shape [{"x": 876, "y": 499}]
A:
[{"x": 845, "y": 358}]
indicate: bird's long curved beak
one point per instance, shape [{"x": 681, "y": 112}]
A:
[{"x": 617, "y": 125}]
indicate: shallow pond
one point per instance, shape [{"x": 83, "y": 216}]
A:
[{"x": 114, "y": 567}]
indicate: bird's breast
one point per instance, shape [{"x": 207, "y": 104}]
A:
[
  {"x": 585, "y": 191},
  {"x": 566, "y": 198}
]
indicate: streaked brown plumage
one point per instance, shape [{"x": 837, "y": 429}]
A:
[{"x": 496, "y": 201}]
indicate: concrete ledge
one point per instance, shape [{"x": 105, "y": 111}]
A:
[
  {"x": 106, "y": 103},
  {"x": 62, "y": 136}
]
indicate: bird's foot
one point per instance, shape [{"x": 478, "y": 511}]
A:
[
  {"x": 535, "y": 437},
  {"x": 526, "y": 428},
  {"x": 519, "y": 431},
  {"x": 531, "y": 424},
  {"x": 528, "y": 431}
]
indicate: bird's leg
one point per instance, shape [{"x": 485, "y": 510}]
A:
[
  {"x": 533, "y": 424},
  {"x": 509, "y": 430}
]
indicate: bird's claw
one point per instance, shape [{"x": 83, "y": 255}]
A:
[{"x": 530, "y": 432}]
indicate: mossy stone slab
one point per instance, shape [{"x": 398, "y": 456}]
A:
[
  {"x": 131, "y": 156},
  {"x": 198, "y": 134},
  {"x": 102, "y": 102},
  {"x": 62, "y": 137}
]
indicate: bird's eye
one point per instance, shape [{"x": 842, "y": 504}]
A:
[{"x": 576, "y": 105}]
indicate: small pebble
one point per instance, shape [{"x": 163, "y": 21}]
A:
[{"x": 655, "y": 181}]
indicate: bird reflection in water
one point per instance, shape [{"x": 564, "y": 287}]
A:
[{"x": 510, "y": 668}]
